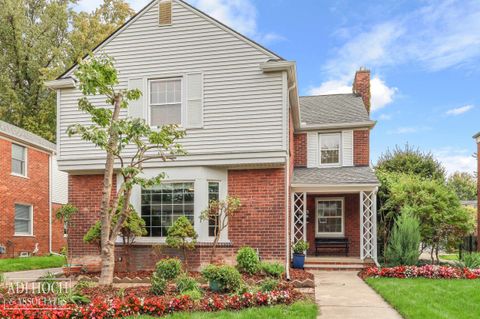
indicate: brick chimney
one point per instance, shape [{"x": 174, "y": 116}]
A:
[{"x": 361, "y": 86}]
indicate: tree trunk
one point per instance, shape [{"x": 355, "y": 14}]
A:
[
  {"x": 436, "y": 254},
  {"x": 108, "y": 247}
]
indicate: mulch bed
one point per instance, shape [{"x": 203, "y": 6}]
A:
[{"x": 300, "y": 274}]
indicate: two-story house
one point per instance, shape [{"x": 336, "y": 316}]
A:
[
  {"x": 31, "y": 190},
  {"x": 300, "y": 165}
]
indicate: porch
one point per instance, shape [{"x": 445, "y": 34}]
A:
[{"x": 334, "y": 209}]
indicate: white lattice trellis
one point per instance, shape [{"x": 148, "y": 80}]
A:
[
  {"x": 368, "y": 225},
  {"x": 299, "y": 217}
]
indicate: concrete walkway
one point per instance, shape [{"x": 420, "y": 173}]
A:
[
  {"x": 31, "y": 275},
  {"x": 342, "y": 294}
]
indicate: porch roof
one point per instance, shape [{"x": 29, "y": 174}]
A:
[{"x": 335, "y": 176}]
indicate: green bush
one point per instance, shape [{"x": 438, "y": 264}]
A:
[
  {"x": 403, "y": 247},
  {"x": 300, "y": 247},
  {"x": 168, "y": 268},
  {"x": 273, "y": 269},
  {"x": 194, "y": 294},
  {"x": 186, "y": 283},
  {"x": 247, "y": 260},
  {"x": 159, "y": 284},
  {"x": 269, "y": 285},
  {"x": 470, "y": 260},
  {"x": 227, "y": 277}
]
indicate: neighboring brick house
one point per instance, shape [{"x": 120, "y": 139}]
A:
[
  {"x": 249, "y": 135},
  {"x": 31, "y": 189}
]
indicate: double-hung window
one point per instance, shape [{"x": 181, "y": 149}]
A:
[
  {"x": 329, "y": 217},
  {"x": 164, "y": 204},
  {"x": 19, "y": 160},
  {"x": 213, "y": 195},
  {"x": 329, "y": 149},
  {"x": 165, "y": 101},
  {"x": 23, "y": 219}
]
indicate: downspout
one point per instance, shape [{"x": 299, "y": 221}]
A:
[{"x": 50, "y": 178}]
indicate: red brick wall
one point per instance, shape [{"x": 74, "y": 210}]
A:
[
  {"x": 300, "y": 141},
  {"x": 352, "y": 223},
  {"x": 33, "y": 190},
  {"x": 58, "y": 239},
  {"x": 361, "y": 147},
  {"x": 261, "y": 221}
]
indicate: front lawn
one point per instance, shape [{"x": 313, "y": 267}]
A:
[
  {"x": 453, "y": 257},
  {"x": 430, "y": 298},
  {"x": 29, "y": 263},
  {"x": 298, "y": 310}
]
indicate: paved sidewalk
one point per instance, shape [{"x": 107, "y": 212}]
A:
[
  {"x": 342, "y": 294},
  {"x": 31, "y": 275}
]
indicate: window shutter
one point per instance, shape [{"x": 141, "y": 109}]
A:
[
  {"x": 194, "y": 105},
  {"x": 347, "y": 148},
  {"x": 136, "y": 109},
  {"x": 312, "y": 149},
  {"x": 165, "y": 12}
]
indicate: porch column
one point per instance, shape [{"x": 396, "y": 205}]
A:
[
  {"x": 368, "y": 225},
  {"x": 299, "y": 216}
]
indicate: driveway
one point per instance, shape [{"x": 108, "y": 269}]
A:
[
  {"x": 342, "y": 294},
  {"x": 31, "y": 275}
]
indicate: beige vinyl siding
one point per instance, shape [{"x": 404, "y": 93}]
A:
[{"x": 243, "y": 108}]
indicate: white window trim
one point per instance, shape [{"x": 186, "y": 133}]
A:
[
  {"x": 182, "y": 96},
  {"x": 340, "y": 153},
  {"x": 31, "y": 221},
  {"x": 208, "y": 202},
  {"x": 325, "y": 199},
  {"x": 26, "y": 161}
]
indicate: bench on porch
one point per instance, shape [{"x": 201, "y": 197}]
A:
[{"x": 331, "y": 242}]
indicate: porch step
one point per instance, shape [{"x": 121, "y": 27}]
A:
[{"x": 334, "y": 267}]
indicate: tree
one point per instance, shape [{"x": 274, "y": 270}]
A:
[
  {"x": 97, "y": 76},
  {"x": 404, "y": 245},
  {"x": 65, "y": 215},
  {"x": 220, "y": 212},
  {"x": 442, "y": 218},
  {"x": 464, "y": 185},
  {"x": 181, "y": 235}
]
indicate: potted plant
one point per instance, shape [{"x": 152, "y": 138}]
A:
[
  {"x": 299, "y": 249},
  {"x": 65, "y": 214}
]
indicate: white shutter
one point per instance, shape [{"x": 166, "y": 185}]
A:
[
  {"x": 194, "y": 106},
  {"x": 347, "y": 148},
  {"x": 312, "y": 149},
  {"x": 137, "y": 109}
]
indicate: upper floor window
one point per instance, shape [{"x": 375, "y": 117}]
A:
[
  {"x": 165, "y": 101},
  {"x": 19, "y": 160},
  {"x": 23, "y": 219},
  {"x": 329, "y": 148},
  {"x": 162, "y": 205}
]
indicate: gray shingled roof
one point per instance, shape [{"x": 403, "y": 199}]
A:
[
  {"x": 332, "y": 109},
  {"x": 334, "y": 175},
  {"x": 25, "y": 136}
]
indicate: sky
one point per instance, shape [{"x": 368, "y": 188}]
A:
[{"x": 424, "y": 58}]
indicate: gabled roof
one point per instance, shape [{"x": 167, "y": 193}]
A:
[
  {"x": 333, "y": 109},
  {"x": 21, "y": 135},
  {"x": 334, "y": 176},
  {"x": 195, "y": 10}
]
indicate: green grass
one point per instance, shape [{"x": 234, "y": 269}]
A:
[
  {"x": 29, "y": 263},
  {"x": 431, "y": 298},
  {"x": 298, "y": 310},
  {"x": 453, "y": 257}
]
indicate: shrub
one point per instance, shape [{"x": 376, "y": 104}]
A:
[
  {"x": 227, "y": 277},
  {"x": 273, "y": 269},
  {"x": 471, "y": 260},
  {"x": 159, "y": 284},
  {"x": 186, "y": 283},
  {"x": 182, "y": 236},
  {"x": 168, "y": 268},
  {"x": 300, "y": 247},
  {"x": 269, "y": 285},
  {"x": 194, "y": 294},
  {"x": 403, "y": 247},
  {"x": 247, "y": 260}
]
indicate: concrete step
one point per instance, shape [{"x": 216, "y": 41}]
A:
[{"x": 333, "y": 267}]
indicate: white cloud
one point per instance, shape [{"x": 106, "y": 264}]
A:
[
  {"x": 456, "y": 160},
  {"x": 459, "y": 110},
  {"x": 381, "y": 94},
  {"x": 409, "y": 129},
  {"x": 385, "y": 117}
]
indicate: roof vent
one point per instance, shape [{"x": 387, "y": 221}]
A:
[{"x": 165, "y": 12}]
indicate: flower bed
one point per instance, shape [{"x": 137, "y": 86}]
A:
[
  {"x": 133, "y": 305},
  {"x": 427, "y": 271}
]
